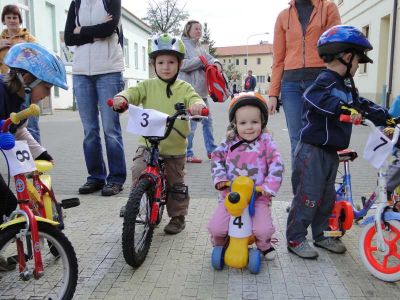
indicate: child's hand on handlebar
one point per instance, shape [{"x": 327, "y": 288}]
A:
[
  {"x": 196, "y": 109},
  {"x": 119, "y": 103}
]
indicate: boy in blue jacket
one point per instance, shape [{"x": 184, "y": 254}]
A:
[{"x": 316, "y": 161}]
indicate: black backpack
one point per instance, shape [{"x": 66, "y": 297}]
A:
[{"x": 119, "y": 30}]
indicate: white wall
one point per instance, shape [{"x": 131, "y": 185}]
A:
[{"x": 377, "y": 14}]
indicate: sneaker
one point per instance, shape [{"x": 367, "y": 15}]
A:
[
  {"x": 122, "y": 211},
  {"x": 269, "y": 254},
  {"x": 5, "y": 266},
  {"x": 175, "y": 225},
  {"x": 111, "y": 189},
  {"x": 331, "y": 244},
  {"x": 90, "y": 187},
  {"x": 304, "y": 250},
  {"x": 193, "y": 160}
]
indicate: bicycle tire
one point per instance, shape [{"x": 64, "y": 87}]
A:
[
  {"x": 139, "y": 196},
  {"x": 376, "y": 262},
  {"x": 66, "y": 263}
]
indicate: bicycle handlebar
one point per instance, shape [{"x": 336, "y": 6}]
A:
[{"x": 16, "y": 118}]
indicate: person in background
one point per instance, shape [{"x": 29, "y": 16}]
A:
[
  {"x": 97, "y": 77},
  {"x": 192, "y": 71},
  {"x": 13, "y": 34},
  {"x": 234, "y": 85},
  {"x": 296, "y": 63},
  {"x": 250, "y": 82}
]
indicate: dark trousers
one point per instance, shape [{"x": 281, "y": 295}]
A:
[{"x": 313, "y": 183}]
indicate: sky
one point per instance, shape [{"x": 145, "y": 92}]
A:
[{"x": 230, "y": 22}]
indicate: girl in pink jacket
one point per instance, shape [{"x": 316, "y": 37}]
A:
[{"x": 247, "y": 151}]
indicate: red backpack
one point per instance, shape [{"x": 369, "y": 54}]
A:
[{"x": 216, "y": 82}]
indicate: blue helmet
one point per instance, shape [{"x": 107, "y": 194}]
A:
[
  {"x": 38, "y": 61},
  {"x": 341, "y": 39}
]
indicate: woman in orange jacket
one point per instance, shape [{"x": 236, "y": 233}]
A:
[{"x": 296, "y": 62}]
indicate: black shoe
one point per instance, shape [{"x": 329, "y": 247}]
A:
[
  {"x": 111, "y": 189},
  {"x": 90, "y": 187}
]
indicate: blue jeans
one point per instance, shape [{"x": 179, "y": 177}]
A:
[
  {"x": 33, "y": 127},
  {"x": 207, "y": 135},
  {"x": 292, "y": 101},
  {"x": 92, "y": 93}
]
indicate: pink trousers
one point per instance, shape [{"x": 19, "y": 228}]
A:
[{"x": 263, "y": 228}]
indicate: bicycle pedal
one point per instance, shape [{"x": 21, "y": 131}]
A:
[
  {"x": 69, "y": 203},
  {"x": 333, "y": 233}
]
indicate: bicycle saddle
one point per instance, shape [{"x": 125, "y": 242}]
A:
[{"x": 43, "y": 165}]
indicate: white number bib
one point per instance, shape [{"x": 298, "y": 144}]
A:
[
  {"x": 146, "y": 122},
  {"x": 241, "y": 227},
  {"x": 377, "y": 149},
  {"x": 20, "y": 159}
]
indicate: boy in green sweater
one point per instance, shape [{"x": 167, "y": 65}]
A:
[{"x": 162, "y": 94}]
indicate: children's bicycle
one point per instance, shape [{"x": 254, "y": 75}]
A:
[
  {"x": 41, "y": 259},
  {"x": 148, "y": 198},
  {"x": 379, "y": 242}
]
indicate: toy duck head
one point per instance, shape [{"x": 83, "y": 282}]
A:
[{"x": 239, "y": 197}]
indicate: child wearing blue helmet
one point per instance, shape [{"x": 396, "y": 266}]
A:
[
  {"x": 33, "y": 72},
  {"x": 316, "y": 161}
]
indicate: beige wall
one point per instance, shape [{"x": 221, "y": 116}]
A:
[
  {"x": 262, "y": 69},
  {"x": 377, "y": 14}
]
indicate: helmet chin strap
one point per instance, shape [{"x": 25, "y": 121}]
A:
[
  {"x": 28, "y": 88},
  {"x": 349, "y": 65}
]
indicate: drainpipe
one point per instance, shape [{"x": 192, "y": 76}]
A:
[{"x": 390, "y": 81}]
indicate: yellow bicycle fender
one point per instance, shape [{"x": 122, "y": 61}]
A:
[{"x": 22, "y": 220}]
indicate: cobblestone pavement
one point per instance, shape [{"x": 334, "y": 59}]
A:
[{"x": 178, "y": 267}]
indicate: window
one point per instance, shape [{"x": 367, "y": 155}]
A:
[
  {"x": 224, "y": 60},
  {"x": 144, "y": 58},
  {"x": 126, "y": 52},
  {"x": 245, "y": 61},
  {"x": 258, "y": 61},
  {"x": 136, "y": 55},
  {"x": 49, "y": 18},
  {"x": 237, "y": 61},
  {"x": 229, "y": 60},
  {"x": 260, "y": 79},
  {"x": 363, "y": 67},
  {"x": 26, "y": 14}
]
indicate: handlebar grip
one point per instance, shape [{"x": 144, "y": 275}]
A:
[
  {"x": 347, "y": 119},
  {"x": 32, "y": 110},
  {"x": 110, "y": 102},
  {"x": 205, "y": 111}
]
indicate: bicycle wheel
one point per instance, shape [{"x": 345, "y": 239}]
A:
[
  {"x": 60, "y": 275},
  {"x": 385, "y": 267},
  {"x": 137, "y": 232}
]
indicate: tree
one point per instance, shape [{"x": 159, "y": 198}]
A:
[
  {"x": 230, "y": 70},
  {"x": 165, "y": 16},
  {"x": 207, "y": 40}
]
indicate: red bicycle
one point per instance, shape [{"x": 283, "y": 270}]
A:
[
  {"x": 147, "y": 199},
  {"x": 31, "y": 238}
]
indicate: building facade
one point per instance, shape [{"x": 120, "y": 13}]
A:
[
  {"x": 240, "y": 59},
  {"x": 45, "y": 19},
  {"x": 380, "y": 81}
]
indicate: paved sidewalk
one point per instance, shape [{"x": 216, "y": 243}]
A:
[{"x": 178, "y": 267}]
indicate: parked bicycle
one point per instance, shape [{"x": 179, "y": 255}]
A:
[
  {"x": 379, "y": 242},
  {"x": 148, "y": 198},
  {"x": 43, "y": 259}
]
